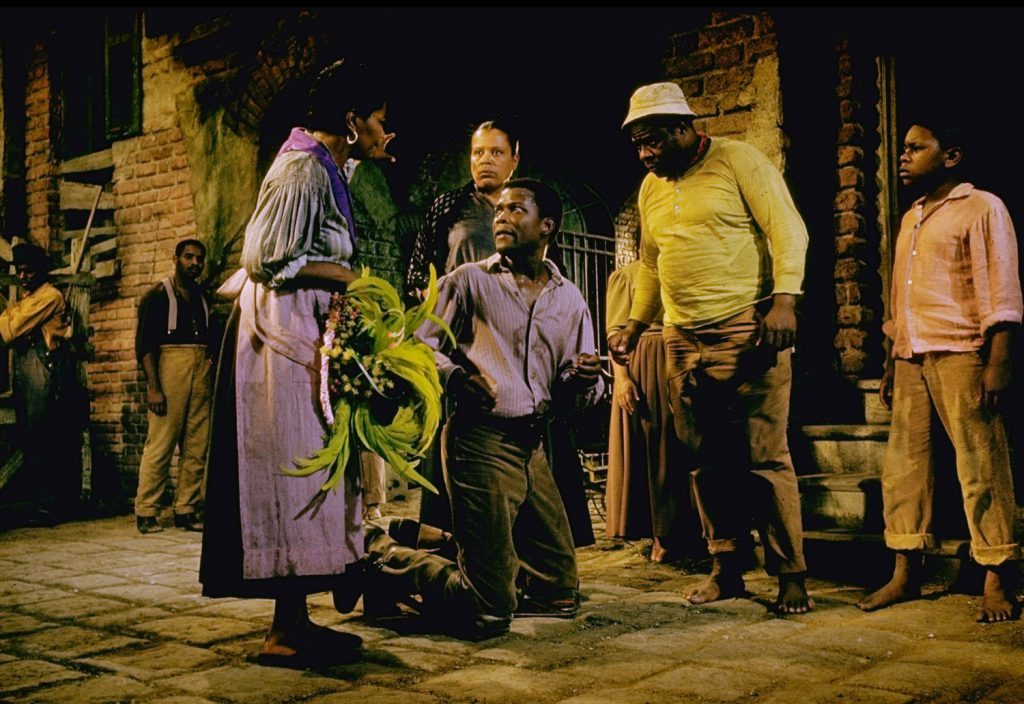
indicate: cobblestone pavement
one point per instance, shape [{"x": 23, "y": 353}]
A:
[{"x": 94, "y": 612}]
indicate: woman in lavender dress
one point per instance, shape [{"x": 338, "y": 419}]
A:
[{"x": 298, "y": 245}]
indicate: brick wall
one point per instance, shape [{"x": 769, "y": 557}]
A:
[
  {"x": 153, "y": 211},
  {"x": 857, "y": 285},
  {"x": 729, "y": 71},
  {"x": 42, "y": 195}
]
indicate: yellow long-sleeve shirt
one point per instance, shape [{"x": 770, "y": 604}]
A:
[
  {"x": 717, "y": 240},
  {"x": 40, "y": 309}
]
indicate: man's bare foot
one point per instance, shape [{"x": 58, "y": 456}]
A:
[
  {"x": 724, "y": 582},
  {"x": 658, "y": 552},
  {"x": 904, "y": 585},
  {"x": 999, "y": 602},
  {"x": 793, "y": 597}
]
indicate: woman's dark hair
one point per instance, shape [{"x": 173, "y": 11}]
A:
[
  {"x": 549, "y": 203},
  {"x": 502, "y": 125},
  {"x": 343, "y": 86}
]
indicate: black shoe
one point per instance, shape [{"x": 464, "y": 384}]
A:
[
  {"x": 188, "y": 521},
  {"x": 147, "y": 524},
  {"x": 550, "y": 608}
]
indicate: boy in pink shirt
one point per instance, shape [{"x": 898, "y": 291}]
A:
[{"x": 956, "y": 300}]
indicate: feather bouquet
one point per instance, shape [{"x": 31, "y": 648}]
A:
[{"x": 379, "y": 388}]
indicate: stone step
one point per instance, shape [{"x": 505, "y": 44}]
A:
[
  {"x": 845, "y": 449},
  {"x": 948, "y": 547},
  {"x": 851, "y": 502}
]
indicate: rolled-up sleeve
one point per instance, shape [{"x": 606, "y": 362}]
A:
[
  {"x": 993, "y": 243},
  {"x": 450, "y": 308},
  {"x": 24, "y": 316},
  {"x": 286, "y": 223}
]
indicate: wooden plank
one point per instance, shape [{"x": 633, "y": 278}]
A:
[
  {"x": 104, "y": 269},
  {"x": 88, "y": 162},
  {"x": 94, "y": 233},
  {"x": 80, "y": 196},
  {"x": 11, "y": 466},
  {"x": 103, "y": 247}
]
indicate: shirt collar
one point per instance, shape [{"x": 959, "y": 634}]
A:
[
  {"x": 960, "y": 191},
  {"x": 496, "y": 263}
]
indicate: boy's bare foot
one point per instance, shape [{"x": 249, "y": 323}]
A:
[
  {"x": 793, "y": 597},
  {"x": 999, "y": 602},
  {"x": 724, "y": 582},
  {"x": 904, "y": 585}
]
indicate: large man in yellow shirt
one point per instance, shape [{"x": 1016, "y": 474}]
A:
[{"x": 722, "y": 248}]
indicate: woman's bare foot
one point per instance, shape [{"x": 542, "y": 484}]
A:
[
  {"x": 999, "y": 602},
  {"x": 904, "y": 585},
  {"x": 793, "y": 597},
  {"x": 724, "y": 582}
]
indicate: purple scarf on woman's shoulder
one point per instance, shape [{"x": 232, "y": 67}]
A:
[{"x": 301, "y": 141}]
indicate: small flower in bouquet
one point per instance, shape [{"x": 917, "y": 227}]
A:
[{"x": 379, "y": 388}]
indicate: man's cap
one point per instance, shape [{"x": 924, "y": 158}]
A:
[
  {"x": 30, "y": 255},
  {"x": 657, "y": 99}
]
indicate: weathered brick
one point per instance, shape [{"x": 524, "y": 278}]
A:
[
  {"x": 850, "y": 177},
  {"x": 762, "y": 46},
  {"x": 690, "y": 64},
  {"x": 844, "y": 89},
  {"x": 726, "y": 33},
  {"x": 849, "y": 155},
  {"x": 764, "y": 23},
  {"x": 847, "y": 269},
  {"x": 848, "y": 199},
  {"x": 684, "y": 43},
  {"x": 850, "y": 133},
  {"x": 850, "y": 245},
  {"x": 729, "y": 55},
  {"x": 848, "y": 223},
  {"x": 852, "y": 361},
  {"x": 850, "y": 338}
]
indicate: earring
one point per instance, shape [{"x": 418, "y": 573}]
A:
[{"x": 352, "y": 138}]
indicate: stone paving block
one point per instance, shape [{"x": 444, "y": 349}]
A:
[
  {"x": 245, "y": 609},
  {"x": 100, "y": 690},
  {"x": 868, "y": 643},
  {"x": 556, "y": 627},
  {"x": 23, "y": 593},
  {"x": 13, "y": 624},
  {"x": 831, "y": 694},
  {"x": 925, "y": 681},
  {"x": 86, "y": 582},
  {"x": 74, "y": 606},
  {"x": 771, "y": 627},
  {"x": 161, "y": 660},
  {"x": 428, "y": 662},
  {"x": 677, "y": 641},
  {"x": 7, "y": 658},
  {"x": 182, "y": 580},
  {"x": 691, "y": 682},
  {"x": 373, "y": 695},
  {"x": 43, "y": 574},
  {"x": 180, "y": 700},
  {"x": 943, "y": 619},
  {"x": 969, "y": 656},
  {"x": 774, "y": 659},
  {"x": 1010, "y": 693},
  {"x": 441, "y": 644},
  {"x": 198, "y": 630},
  {"x": 530, "y": 652},
  {"x": 142, "y": 593},
  {"x": 124, "y": 618},
  {"x": 612, "y": 670},
  {"x": 71, "y": 642},
  {"x": 24, "y": 674},
  {"x": 496, "y": 683},
  {"x": 252, "y": 684},
  {"x": 626, "y": 696}
]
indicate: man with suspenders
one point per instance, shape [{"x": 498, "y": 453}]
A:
[{"x": 172, "y": 344}]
